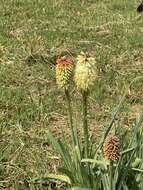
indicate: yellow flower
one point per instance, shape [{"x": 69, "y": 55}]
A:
[
  {"x": 64, "y": 68},
  {"x": 85, "y": 71}
]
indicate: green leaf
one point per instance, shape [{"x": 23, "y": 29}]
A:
[
  {"x": 60, "y": 149},
  {"x": 79, "y": 188},
  {"x": 60, "y": 178},
  {"x": 128, "y": 150},
  {"x": 125, "y": 172},
  {"x": 67, "y": 173},
  {"x": 125, "y": 187},
  {"x": 103, "y": 162},
  {"x": 137, "y": 170}
]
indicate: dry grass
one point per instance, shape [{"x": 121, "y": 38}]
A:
[{"x": 29, "y": 99}]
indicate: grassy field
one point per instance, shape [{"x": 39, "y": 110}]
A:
[{"x": 29, "y": 99}]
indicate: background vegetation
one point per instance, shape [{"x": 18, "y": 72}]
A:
[{"x": 30, "y": 31}]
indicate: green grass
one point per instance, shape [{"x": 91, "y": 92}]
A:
[{"x": 29, "y": 99}]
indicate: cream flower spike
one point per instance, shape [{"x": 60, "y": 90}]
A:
[{"x": 85, "y": 71}]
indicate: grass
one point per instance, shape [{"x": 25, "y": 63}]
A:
[{"x": 29, "y": 99}]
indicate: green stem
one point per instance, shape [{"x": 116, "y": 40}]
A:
[
  {"x": 85, "y": 124},
  {"x": 70, "y": 115},
  {"x": 111, "y": 175}
]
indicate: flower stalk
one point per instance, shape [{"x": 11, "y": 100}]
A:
[
  {"x": 70, "y": 115},
  {"x": 111, "y": 152},
  {"x": 64, "y": 71},
  {"x": 85, "y": 76},
  {"x": 111, "y": 174},
  {"x": 85, "y": 123}
]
